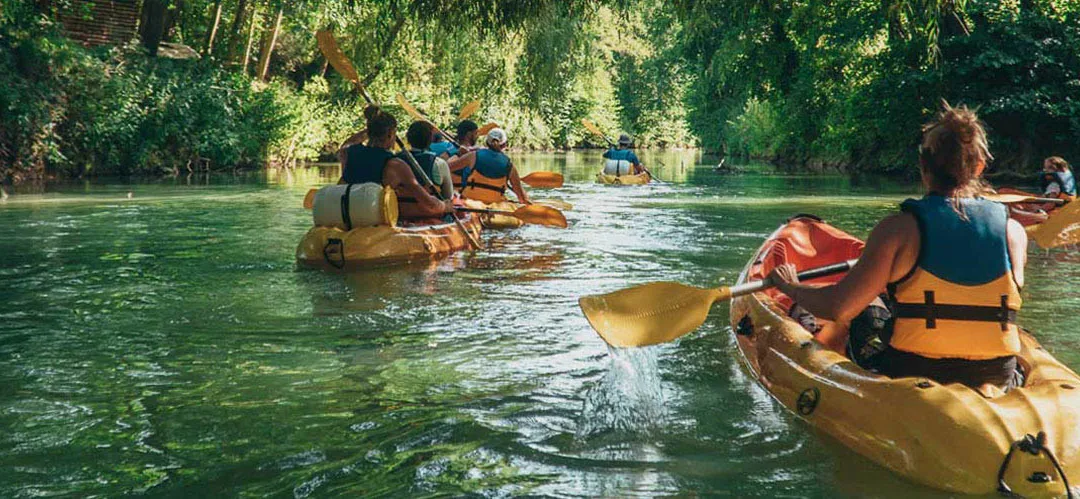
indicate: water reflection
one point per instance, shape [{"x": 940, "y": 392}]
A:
[{"x": 168, "y": 344}]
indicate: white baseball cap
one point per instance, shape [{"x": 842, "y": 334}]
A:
[{"x": 497, "y": 135}]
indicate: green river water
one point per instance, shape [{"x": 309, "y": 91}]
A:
[{"x": 167, "y": 344}]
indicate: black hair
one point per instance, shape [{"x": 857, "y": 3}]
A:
[
  {"x": 379, "y": 122},
  {"x": 419, "y": 134}
]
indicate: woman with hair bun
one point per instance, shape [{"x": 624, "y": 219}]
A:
[
  {"x": 374, "y": 162},
  {"x": 950, "y": 263}
]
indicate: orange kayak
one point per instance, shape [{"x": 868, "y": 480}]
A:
[{"x": 949, "y": 437}]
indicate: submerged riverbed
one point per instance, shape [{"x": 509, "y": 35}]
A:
[{"x": 166, "y": 343}]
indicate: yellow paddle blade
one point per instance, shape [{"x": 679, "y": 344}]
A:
[
  {"x": 487, "y": 128},
  {"x": 651, "y": 313},
  {"x": 468, "y": 110},
  {"x": 1060, "y": 229},
  {"x": 309, "y": 199},
  {"x": 558, "y": 204},
  {"x": 592, "y": 127},
  {"x": 548, "y": 180},
  {"x": 410, "y": 109},
  {"x": 541, "y": 215},
  {"x": 329, "y": 47},
  {"x": 1012, "y": 198}
]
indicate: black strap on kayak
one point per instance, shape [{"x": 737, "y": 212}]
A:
[
  {"x": 932, "y": 311},
  {"x": 345, "y": 207},
  {"x": 1033, "y": 445},
  {"x": 334, "y": 246}
]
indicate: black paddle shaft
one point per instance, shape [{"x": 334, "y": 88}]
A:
[{"x": 827, "y": 270}]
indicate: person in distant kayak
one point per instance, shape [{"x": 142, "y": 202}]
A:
[
  {"x": 1057, "y": 182},
  {"x": 1057, "y": 179},
  {"x": 951, "y": 265},
  {"x": 373, "y": 162},
  {"x": 621, "y": 160},
  {"x": 491, "y": 171}
]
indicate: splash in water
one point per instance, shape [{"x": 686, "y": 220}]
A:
[{"x": 628, "y": 399}]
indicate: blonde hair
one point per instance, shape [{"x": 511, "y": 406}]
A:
[
  {"x": 954, "y": 152},
  {"x": 1058, "y": 163}
]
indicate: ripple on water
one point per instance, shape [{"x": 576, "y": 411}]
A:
[{"x": 168, "y": 345}]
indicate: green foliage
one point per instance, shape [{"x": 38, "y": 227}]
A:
[{"x": 812, "y": 84}]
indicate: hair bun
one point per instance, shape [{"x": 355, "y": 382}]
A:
[{"x": 961, "y": 121}]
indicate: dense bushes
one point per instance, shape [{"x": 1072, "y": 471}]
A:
[
  {"x": 813, "y": 85},
  {"x": 69, "y": 111}
]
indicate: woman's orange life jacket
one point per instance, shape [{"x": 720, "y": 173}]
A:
[{"x": 960, "y": 300}]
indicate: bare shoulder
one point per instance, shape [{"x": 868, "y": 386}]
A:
[
  {"x": 1015, "y": 233},
  {"x": 898, "y": 227}
]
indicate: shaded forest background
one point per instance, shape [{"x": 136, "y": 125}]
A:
[{"x": 808, "y": 85}]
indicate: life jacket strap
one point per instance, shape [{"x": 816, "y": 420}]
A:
[
  {"x": 931, "y": 312},
  {"x": 474, "y": 184}
]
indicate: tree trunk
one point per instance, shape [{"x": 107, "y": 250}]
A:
[
  {"x": 234, "y": 31},
  {"x": 173, "y": 16},
  {"x": 268, "y": 47},
  {"x": 251, "y": 36},
  {"x": 213, "y": 28},
  {"x": 152, "y": 25}
]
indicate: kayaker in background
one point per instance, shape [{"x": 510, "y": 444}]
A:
[
  {"x": 1057, "y": 182},
  {"x": 419, "y": 136},
  {"x": 1057, "y": 179},
  {"x": 374, "y": 162},
  {"x": 491, "y": 171},
  {"x": 458, "y": 159},
  {"x": 621, "y": 160},
  {"x": 952, "y": 265},
  {"x": 440, "y": 146}
]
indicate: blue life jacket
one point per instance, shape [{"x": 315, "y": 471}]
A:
[
  {"x": 492, "y": 164},
  {"x": 438, "y": 148},
  {"x": 365, "y": 164},
  {"x": 622, "y": 155},
  {"x": 1064, "y": 180},
  {"x": 968, "y": 252},
  {"x": 960, "y": 300}
]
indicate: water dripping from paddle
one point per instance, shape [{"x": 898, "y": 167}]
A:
[{"x": 628, "y": 401}]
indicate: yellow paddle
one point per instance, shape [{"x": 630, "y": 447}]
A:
[
  {"x": 1061, "y": 227},
  {"x": 309, "y": 199},
  {"x": 1018, "y": 198},
  {"x": 555, "y": 203},
  {"x": 489, "y": 126},
  {"x": 530, "y": 214},
  {"x": 590, "y": 126},
  {"x": 468, "y": 110},
  {"x": 420, "y": 117},
  {"x": 659, "y": 312},
  {"x": 329, "y": 47},
  {"x": 550, "y": 180}
]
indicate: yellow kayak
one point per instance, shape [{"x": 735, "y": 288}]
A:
[
  {"x": 948, "y": 437},
  {"x": 493, "y": 221},
  {"x": 639, "y": 179},
  {"x": 330, "y": 247}
]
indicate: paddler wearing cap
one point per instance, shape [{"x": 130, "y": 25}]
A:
[
  {"x": 490, "y": 170},
  {"x": 621, "y": 160}
]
